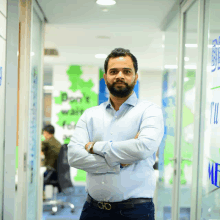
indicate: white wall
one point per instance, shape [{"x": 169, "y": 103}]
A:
[{"x": 151, "y": 86}]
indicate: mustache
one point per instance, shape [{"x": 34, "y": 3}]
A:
[{"x": 119, "y": 81}]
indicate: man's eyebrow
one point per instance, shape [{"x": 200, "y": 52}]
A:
[{"x": 126, "y": 68}]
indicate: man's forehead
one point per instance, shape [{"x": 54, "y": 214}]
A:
[{"x": 120, "y": 62}]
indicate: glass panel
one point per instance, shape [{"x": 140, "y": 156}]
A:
[
  {"x": 163, "y": 204},
  {"x": 211, "y": 157},
  {"x": 2, "y": 115},
  {"x": 188, "y": 108},
  {"x": 33, "y": 155}
]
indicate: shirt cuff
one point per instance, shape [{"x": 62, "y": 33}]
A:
[
  {"x": 99, "y": 147},
  {"x": 115, "y": 169}
]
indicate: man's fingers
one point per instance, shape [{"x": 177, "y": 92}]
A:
[
  {"x": 125, "y": 165},
  {"x": 86, "y": 146},
  {"x": 137, "y": 135}
]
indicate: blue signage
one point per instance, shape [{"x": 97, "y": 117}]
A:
[
  {"x": 215, "y": 62},
  {"x": 214, "y": 171},
  {"x": 214, "y": 113}
]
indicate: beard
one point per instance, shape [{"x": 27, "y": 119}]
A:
[{"x": 120, "y": 92}]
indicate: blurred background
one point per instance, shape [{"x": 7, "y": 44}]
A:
[{"x": 52, "y": 57}]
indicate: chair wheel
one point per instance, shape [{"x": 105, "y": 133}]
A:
[
  {"x": 62, "y": 206},
  {"x": 72, "y": 210}
]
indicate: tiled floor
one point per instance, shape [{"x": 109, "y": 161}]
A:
[{"x": 78, "y": 199}]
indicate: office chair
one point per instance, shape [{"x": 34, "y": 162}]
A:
[{"x": 60, "y": 179}]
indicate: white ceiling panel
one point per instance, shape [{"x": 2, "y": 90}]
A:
[{"x": 74, "y": 26}]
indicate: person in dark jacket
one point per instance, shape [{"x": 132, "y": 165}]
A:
[{"x": 50, "y": 148}]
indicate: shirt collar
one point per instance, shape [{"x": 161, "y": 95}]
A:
[{"x": 132, "y": 100}]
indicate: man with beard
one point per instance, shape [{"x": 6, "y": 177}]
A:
[{"x": 116, "y": 144}]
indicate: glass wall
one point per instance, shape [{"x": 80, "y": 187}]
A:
[
  {"x": 190, "y": 48},
  {"x": 2, "y": 92},
  {"x": 35, "y": 89},
  {"x": 166, "y": 151},
  {"x": 205, "y": 138},
  {"x": 29, "y": 191},
  {"x": 210, "y": 143}
]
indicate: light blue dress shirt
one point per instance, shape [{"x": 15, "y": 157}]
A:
[{"x": 114, "y": 132}]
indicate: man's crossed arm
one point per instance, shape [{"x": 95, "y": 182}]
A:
[
  {"x": 89, "y": 148},
  {"x": 105, "y": 156}
]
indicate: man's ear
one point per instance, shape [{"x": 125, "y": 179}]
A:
[
  {"x": 136, "y": 78},
  {"x": 105, "y": 77}
]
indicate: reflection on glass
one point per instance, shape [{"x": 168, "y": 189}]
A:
[
  {"x": 188, "y": 108},
  {"x": 166, "y": 152},
  {"x": 36, "y": 48},
  {"x": 211, "y": 157}
]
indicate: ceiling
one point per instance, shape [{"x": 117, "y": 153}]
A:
[{"x": 79, "y": 29}]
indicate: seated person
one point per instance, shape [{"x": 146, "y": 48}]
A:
[{"x": 50, "y": 148}]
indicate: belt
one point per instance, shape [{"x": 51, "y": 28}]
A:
[{"x": 126, "y": 204}]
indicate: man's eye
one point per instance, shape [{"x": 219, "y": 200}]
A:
[{"x": 113, "y": 71}]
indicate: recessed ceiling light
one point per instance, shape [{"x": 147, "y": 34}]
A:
[
  {"x": 106, "y": 2},
  {"x": 100, "y": 56}
]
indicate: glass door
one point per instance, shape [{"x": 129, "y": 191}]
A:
[
  {"x": 185, "y": 138},
  {"x": 35, "y": 117},
  {"x": 189, "y": 58},
  {"x": 2, "y": 97},
  {"x": 164, "y": 190},
  {"x": 209, "y": 168},
  {"x": 30, "y": 182}
]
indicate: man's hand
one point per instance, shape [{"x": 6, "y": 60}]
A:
[
  {"x": 125, "y": 165},
  {"x": 137, "y": 135},
  {"x": 91, "y": 149}
]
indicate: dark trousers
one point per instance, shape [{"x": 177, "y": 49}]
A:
[
  {"x": 45, "y": 174},
  {"x": 143, "y": 211}
]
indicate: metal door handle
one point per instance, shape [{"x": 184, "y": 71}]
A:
[
  {"x": 187, "y": 159},
  {"x": 174, "y": 158},
  {"x": 171, "y": 159}
]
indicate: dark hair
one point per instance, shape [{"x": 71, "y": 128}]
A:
[
  {"x": 49, "y": 128},
  {"x": 118, "y": 52}
]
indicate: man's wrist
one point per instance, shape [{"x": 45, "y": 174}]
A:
[{"x": 90, "y": 148}]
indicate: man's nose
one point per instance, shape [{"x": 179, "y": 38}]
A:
[{"x": 120, "y": 74}]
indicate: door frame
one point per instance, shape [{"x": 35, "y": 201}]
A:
[
  {"x": 27, "y": 8},
  {"x": 10, "y": 123},
  {"x": 184, "y": 7}
]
